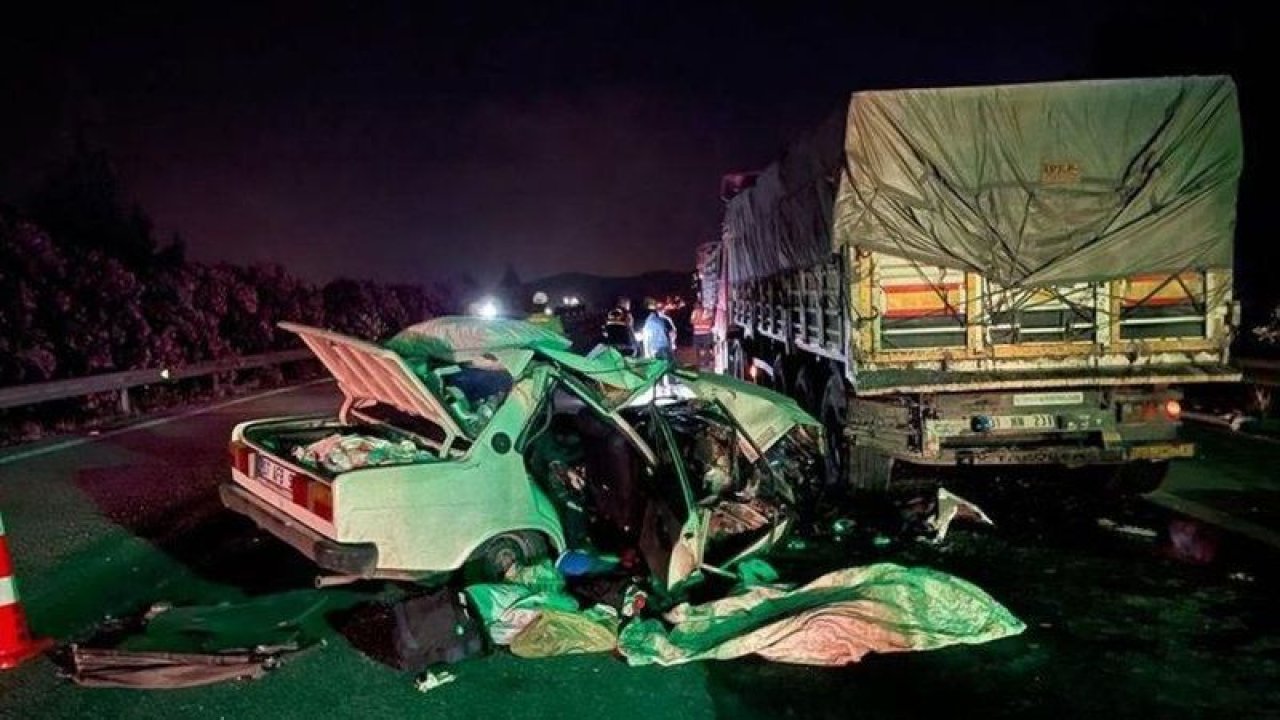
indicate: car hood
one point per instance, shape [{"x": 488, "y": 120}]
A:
[{"x": 765, "y": 416}]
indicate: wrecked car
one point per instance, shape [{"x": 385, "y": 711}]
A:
[{"x": 480, "y": 444}]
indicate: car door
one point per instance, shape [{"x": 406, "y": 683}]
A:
[{"x": 672, "y": 537}]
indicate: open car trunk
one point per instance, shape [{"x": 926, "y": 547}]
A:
[{"x": 370, "y": 376}]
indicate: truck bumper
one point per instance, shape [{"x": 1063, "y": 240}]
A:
[
  {"x": 1071, "y": 456},
  {"x": 354, "y": 559}
]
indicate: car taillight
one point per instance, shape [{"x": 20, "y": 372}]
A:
[
  {"x": 1172, "y": 409},
  {"x": 241, "y": 456},
  {"x": 322, "y": 501}
]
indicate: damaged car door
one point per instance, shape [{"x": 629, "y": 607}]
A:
[{"x": 671, "y": 537}]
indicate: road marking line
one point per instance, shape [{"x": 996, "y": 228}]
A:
[{"x": 85, "y": 440}]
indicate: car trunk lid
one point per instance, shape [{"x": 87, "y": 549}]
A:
[{"x": 369, "y": 374}]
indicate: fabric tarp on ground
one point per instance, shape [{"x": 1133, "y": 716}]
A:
[
  {"x": 834, "y": 620},
  {"x": 507, "y": 608},
  {"x": 1027, "y": 184},
  {"x": 559, "y": 632}
]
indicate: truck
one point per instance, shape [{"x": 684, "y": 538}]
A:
[{"x": 1012, "y": 277}]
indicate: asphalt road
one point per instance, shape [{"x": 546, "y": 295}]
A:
[{"x": 1118, "y": 625}]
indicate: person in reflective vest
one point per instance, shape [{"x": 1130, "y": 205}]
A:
[{"x": 542, "y": 315}]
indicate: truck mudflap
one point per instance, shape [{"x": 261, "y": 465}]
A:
[
  {"x": 351, "y": 559},
  {"x": 1071, "y": 456}
]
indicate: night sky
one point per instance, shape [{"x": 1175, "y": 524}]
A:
[{"x": 406, "y": 142}]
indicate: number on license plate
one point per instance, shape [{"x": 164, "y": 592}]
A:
[
  {"x": 1024, "y": 422},
  {"x": 277, "y": 477}
]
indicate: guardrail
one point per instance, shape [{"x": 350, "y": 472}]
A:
[{"x": 122, "y": 382}]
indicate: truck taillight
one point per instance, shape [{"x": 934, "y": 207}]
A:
[
  {"x": 241, "y": 456},
  {"x": 1172, "y": 409}
]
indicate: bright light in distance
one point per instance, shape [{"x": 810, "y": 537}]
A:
[{"x": 487, "y": 308}]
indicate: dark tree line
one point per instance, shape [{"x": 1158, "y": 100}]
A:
[{"x": 86, "y": 288}]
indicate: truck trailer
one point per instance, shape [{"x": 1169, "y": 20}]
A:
[{"x": 1013, "y": 276}]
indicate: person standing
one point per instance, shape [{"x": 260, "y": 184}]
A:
[
  {"x": 659, "y": 333},
  {"x": 543, "y": 316}
]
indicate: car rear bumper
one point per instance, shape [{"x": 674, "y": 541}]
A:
[{"x": 355, "y": 559}]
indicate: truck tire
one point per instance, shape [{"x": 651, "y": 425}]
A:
[
  {"x": 870, "y": 470},
  {"x": 780, "y": 382},
  {"x": 493, "y": 559},
  {"x": 834, "y": 412},
  {"x": 803, "y": 390},
  {"x": 738, "y": 360}
]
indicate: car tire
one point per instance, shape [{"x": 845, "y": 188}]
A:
[{"x": 494, "y": 559}]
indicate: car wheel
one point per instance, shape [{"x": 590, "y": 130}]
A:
[{"x": 498, "y": 555}]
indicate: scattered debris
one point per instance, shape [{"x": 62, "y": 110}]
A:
[
  {"x": 796, "y": 544},
  {"x": 842, "y": 526},
  {"x": 433, "y": 679},
  {"x": 153, "y": 670},
  {"x": 338, "y": 453},
  {"x": 435, "y": 628},
  {"x": 951, "y": 507},
  {"x": 1131, "y": 530},
  {"x": 1192, "y": 541}
]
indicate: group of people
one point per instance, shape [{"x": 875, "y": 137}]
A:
[{"x": 655, "y": 338}]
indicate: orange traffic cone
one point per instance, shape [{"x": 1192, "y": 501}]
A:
[{"x": 16, "y": 643}]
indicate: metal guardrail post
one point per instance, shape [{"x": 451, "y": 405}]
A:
[{"x": 125, "y": 406}]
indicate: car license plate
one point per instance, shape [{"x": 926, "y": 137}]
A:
[
  {"x": 1024, "y": 422},
  {"x": 274, "y": 475}
]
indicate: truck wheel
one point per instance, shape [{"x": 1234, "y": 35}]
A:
[
  {"x": 804, "y": 392},
  {"x": 779, "y": 382},
  {"x": 870, "y": 469},
  {"x": 835, "y": 406},
  {"x": 737, "y": 360},
  {"x": 492, "y": 560}
]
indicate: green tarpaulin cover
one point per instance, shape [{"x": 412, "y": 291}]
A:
[
  {"x": 834, "y": 620},
  {"x": 1028, "y": 184}
]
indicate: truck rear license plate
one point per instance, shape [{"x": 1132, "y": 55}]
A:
[
  {"x": 1024, "y": 422},
  {"x": 274, "y": 475}
]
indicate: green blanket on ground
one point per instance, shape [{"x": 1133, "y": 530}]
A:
[{"x": 834, "y": 620}]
